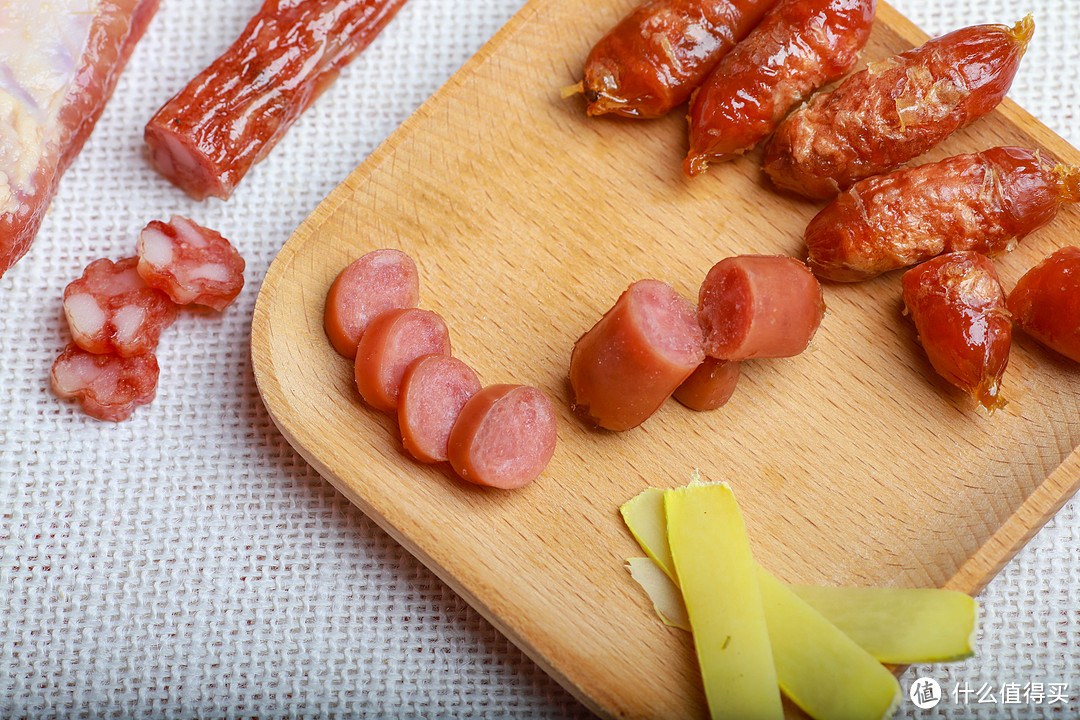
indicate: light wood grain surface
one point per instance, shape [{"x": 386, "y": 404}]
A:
[{"x": 853, "y": 463}]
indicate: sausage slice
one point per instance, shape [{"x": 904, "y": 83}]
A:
[
  {"x": 389, "y": 345},
  {"x": 433, "y": 391},
  {"x": 379, "y": 281}
]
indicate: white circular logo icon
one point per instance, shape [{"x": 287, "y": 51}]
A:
[{"x": 925, "y": 693}]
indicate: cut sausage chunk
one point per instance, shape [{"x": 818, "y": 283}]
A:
[
  {"x": 504, "y": 437},
  {"x": 710, "y": 386},
  {"x": 629, "y": 363},
  {"x": 190, "y": 263},
  {"x": 108, "y": 387},
  {"x": 1046, "y": 302},
  {"x": 379, "y": 281},
  {"x": 110, "y": 309},
  {"x": 433, "y": 391},
  {"x": 389, "y": 345},
  {"x": 759, "y": 306}
]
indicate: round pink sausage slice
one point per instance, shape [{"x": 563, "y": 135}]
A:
[
  {"x": 759, "y": 306},
  {"x": 190, "y": 263},
  {"x": 108, "y": 387},
  {"x": 504, "y": 437},
  {"x": 433, "y": 391},
  {"x": 379, "y": 281},
  {"x": 710, "y": 386},
  {"x": 389, "y": 345},
  {"x": 629, "y": 363}
]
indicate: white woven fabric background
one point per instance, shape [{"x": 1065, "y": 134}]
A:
[{"x": 189, "y": 563}]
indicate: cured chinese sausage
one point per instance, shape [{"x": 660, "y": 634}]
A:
[
  {"x": 378, "y": 281},
  {"x": 655, "y": 57},
  {"x": 759, "y": 306},
  {"x": 799, "y": 46},
  {"x": 59, "y": 63},
  {"x": 629, "y": 363},
  {"x": 895, "y": 110},
  {"x": 1046, "y": 302},
  {"x": 390, "y": 344},
  {"x": 959, "y": 311},
  {"x": 206, "y": 138},
  {"x": 504, "y": 437},
  {"x": 986, "y": 202},
  {"x": 189, "y": 263},
  {"x": 710, "y": 386},
  {"x": 110, "y": 309},
  {"x": 434, "y": 389},
  {"x": 108, "y": 387}
]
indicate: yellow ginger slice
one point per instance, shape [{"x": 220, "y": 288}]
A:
[{"x": 723, "y": 602}]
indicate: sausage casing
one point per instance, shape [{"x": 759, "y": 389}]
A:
[{"x": 1046, "y": 302}]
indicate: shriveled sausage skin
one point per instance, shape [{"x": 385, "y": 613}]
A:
[
  {"x": 799, "y": 46},
  {"x": 375, "y": 282},
  {"x": 710, "y": 386},
  {"x": 108, "y": 387},
  {"x": 434, "y": 389},
  {"x": 986, "y": 202},
  {"x": 389, "y": 345},
  {"x": 654, "y": 58},
  {"x": 629, "y": 363},
  {"x": 1046, "y": 302},
  {"x": 190, "y": 263},
  {"x": 895, "y": 110},
  {"x": 958, "y": 308}
]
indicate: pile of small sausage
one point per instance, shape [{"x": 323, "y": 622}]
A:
[
  {"x": 117, "y": 311},
  {"x": 744, "y": 64},
  {"x": 499, "y": 436}
]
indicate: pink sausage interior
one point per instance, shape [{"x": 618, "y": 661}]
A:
[
  {"x": 389, "y": 345},
  {"x": 379, "y": 281},
  {"x": 434, "y": 389}
]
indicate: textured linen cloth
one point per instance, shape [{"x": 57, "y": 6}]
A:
[{"x": 187, "y": 562}]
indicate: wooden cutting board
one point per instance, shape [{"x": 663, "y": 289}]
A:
[{"x": 853, "y": 463}]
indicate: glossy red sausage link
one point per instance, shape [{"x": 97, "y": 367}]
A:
[
  {"x": 710, "y": 386},
  {"x": 629, "y": 363},
  {"x": 986, "y": 202},
  {"x": 389, "y": 345},
  {"x": 895, "y": 110},
  {"x": 759, "y": 306},
  {"x": 799, "y": 46},
  {"x": 108, "y": 387},
  {"x": 504, "y": 437},
  {"x": 434, "y": 389},
  {"x": 190, "y": 263},
  {"x": 377, "y": 281},
  {"x": 655, "y": 57},
  {"x": 1046, "y": 302},
  {"x": 959, "y": 310},
  {"x": 206, "y": 138}
]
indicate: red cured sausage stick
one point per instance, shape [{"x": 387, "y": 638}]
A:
[
  {"x": 759, "y": 306},
  {"x": 710, "y": 386},
  {"x": 1046, "y": 302},
  {"x": 895, "y": 110},
  {"x": 959, "y": 310},
  {"x": 69, "y": 58},
  {"x": 799, "y": 46},
  {"x": 629, "y": 363},
  {"x": 434, "y": 389},
  {"x": 986, "y": 202},
  {"x": 389, "y": 345},
  {"x": 655, "y": 57},
  {"x": 206, "y": 138}
]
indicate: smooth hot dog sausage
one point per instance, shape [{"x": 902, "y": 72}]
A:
[
  {"x": 629, "y": 363},
  {"x": 389, "y": 345},
  {"x": 1046, "y": 302},
  {"x": 504, "y": 437},
  {"x": 895, "y": 110},
  {"x": 759, "y": 306},
  {"x": 433, "y": 391},
  {"x": 376, "y": 282},
  {"x": 799, "y": 46},
  {"x": 710, "y": 386},
  {"x": 958, "y": 308},
  {"x": 984, "y": 202},
  {"x": 655, "y": 57}
]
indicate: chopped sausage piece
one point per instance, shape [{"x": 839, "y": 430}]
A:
[
  {"x": 379, "y": 281},
  {"x": 895, "y": 110},
  {"x": 108, "y": 387},
  {"x": 389, "y": 345},
  {"x": 504, "y": 437},
  {"x": 799, "y": 46},
  {"x": 985, "y": 202},
  {"x": 189, "y": 263},
  {"x": 206, "y": 138},
  {"x": 710, "y": 386},
  {"x": 59, "y": 63},
  {"x": 654, "y": 58},
  {"x": 759, "y": 306},
  {"x": 959, "y": 311},
  {"x": 629, "y": 363},
  {"x": 1046, "y": 302},
  {"x": 433, "y": 391},
  {"x": 110, "y": 309}
]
